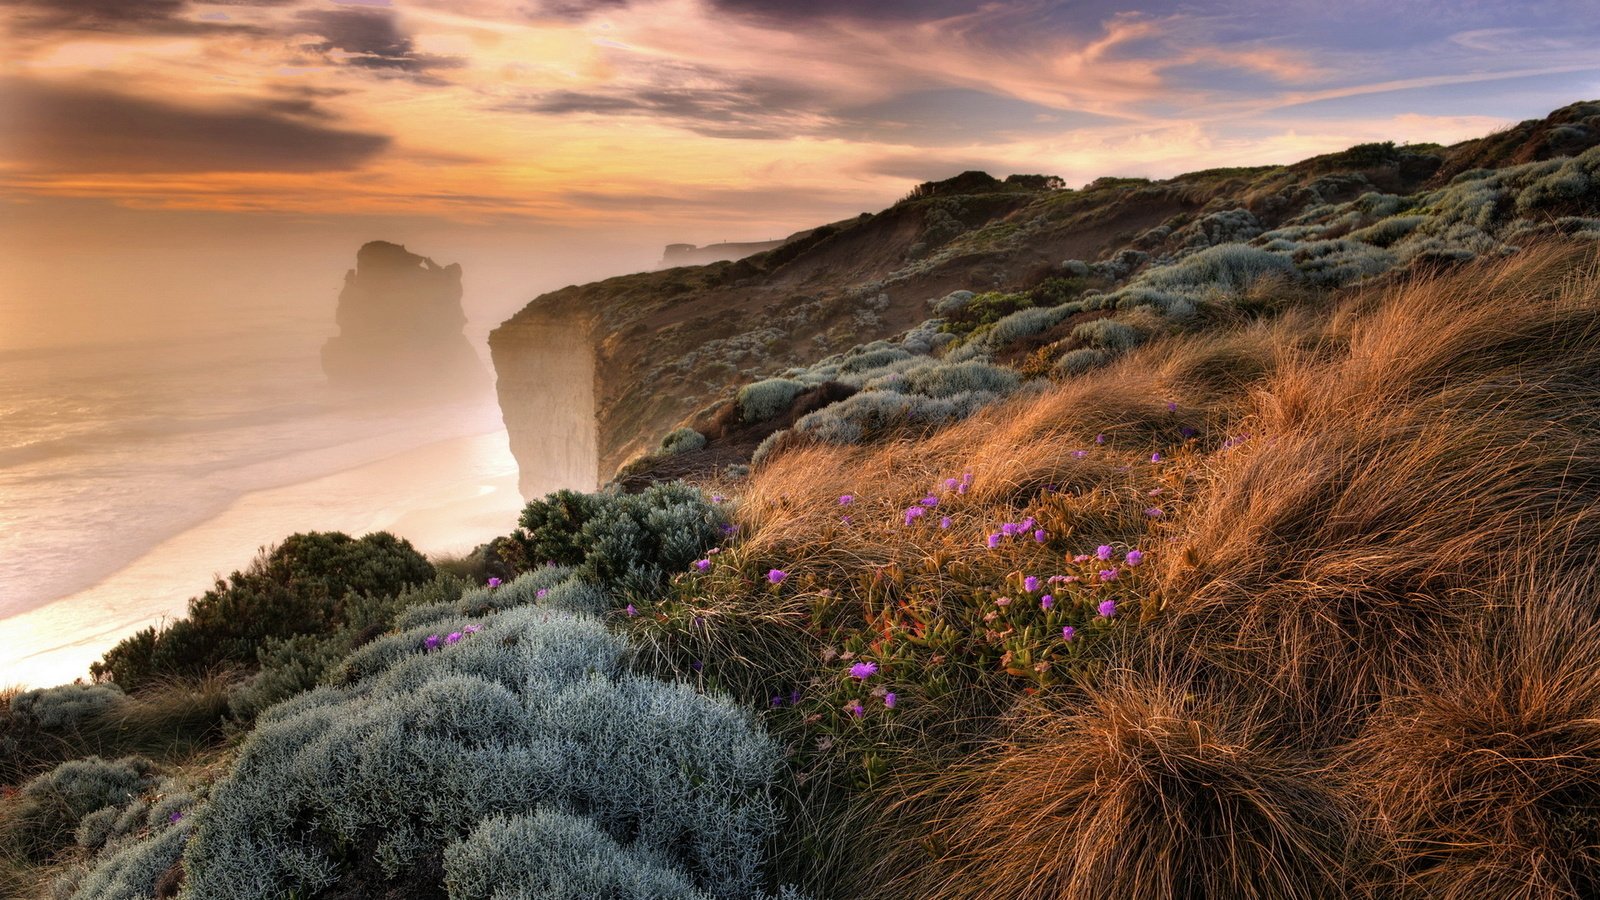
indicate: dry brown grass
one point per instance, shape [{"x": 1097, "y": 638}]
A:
[
  {"x": 1143, "y": 790},
  {"x": 1482, "y": 773},
  {"x": 1357, "y": 528}
]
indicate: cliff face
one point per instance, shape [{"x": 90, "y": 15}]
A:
[
  {"x": 400, "y": 326},
  {"x": 547, "y": 400},
  {"x": 672, "y": 346}
]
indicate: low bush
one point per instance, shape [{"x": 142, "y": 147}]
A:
[
  {"x": 682, "y": 440},
  {"x": 300, "y": 587},
  {"x": 767, "y": 399},
  {"x": 47, "y": 810},
  {"x": 364, "y": 786}
]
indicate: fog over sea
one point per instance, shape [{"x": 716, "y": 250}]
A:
[{"x": 157, "y": 431}]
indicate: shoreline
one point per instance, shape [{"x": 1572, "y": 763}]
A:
[{"x": 445, "y": 496}]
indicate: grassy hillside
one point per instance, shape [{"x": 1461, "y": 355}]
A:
[{"x": 1209, "y": 576}]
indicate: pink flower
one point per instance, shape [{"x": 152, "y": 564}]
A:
[
  {"x": 1002, "y": 602},
  {"x": 951, "y": 484},
  {"x": 994, "y": 540},
  {"x": 704, "y": 565},
  {"x": 431, "y": 642},
  {"x": 889, "y": 700},
  {"x": 1108, "y": 608},
  {"x": 914, "y": 513},
  {"x": 1048, "y": 601},
  {"x": 494, "y": 582},
  {"x": 1039, "y": 536},
  {"x": 453, "y": 637},
  {"x": 1099, "y": 439},
  {"x": 1030, "y": 584},
  {"x": 944, "y": 522},
  {"x": 845, "y": 520},
  {"x": 1079, "y": 454},
  {"x": 863, "y": 670},
  {"x": 929, "y": 501},
  {"x": 1108, "y": 574},
  {"x": 1081, "y": 558},
  {"x": 1103, "y": 551},
  {"x": 846, "y": 499},
  {"x": 540, "y": 593},
  {"x": 473, "y": 629},
  {"x": 1154, "y": 512},
  {"x": 854, "y": 708},
  {"x": 776, "y": 576},
  {"x": 1155, "y": 457},
  {"x": 1134, "y": 558},
  {"x": 1068, "y": 632},
  {"x": 631, "y": 611}
]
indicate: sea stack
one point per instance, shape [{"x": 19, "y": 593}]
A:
[{"x": 400, "y": 326}]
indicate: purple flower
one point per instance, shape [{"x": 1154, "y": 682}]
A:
[
  {"x": 962, "y": 489},
  {"x": 431, "y": 642},
  {"x": 1079, "y": 454},
  {"x": 1027, "y": 523},
  {"x": 179, "y": 815},
  {"x": 494, "y": 582},
  {"x": 1048, "y": 601},
  {"x": 1188, "y": 432},
  {"x": 951, "y": 484},
  {"x": 944, "y": 522},
  {"x": 717, "y": 498},
  {"x": 473, "y": 629},
  {"x": 794, "y": 697},
  {"x": 1030, "y": 584},
  {"x": 889, "y": 700},
  {"x": 453, "y": 637},
  {"x": 777, "y": 700},
  {"x": 929, "y": 501},
  {"x": 844, "y": 520},
  {"x": 1108, "y": 574},
  {"x": 854, "y": 708},
  {"x": 1081, "y": 558},
  {"x": 776, "y": 576},
  {"x": 846, "y": 499},
  {"x": 914, "y": 513},
  {"x": 1039, "y": 535},
  {"x": 1099, "y": 439},
  {"x": 994, "y": 540},
  {"x": 1172, "y": 406},
  {"x": 966, "y": 477},
  {"x": 1155, "y": 457},
  {"x": 1010, "y": 529},
  {"x": 697, "y": 665},
  {"x": 1103, "y": 551},
  {"x": 631, "y": 611},
  {"x": 539, "y": 594},
  {"x": 1154, "y": 512},
  {"x": 863, "y": 670},
  {"x": 1134, "y": 558},
  {"x": 1108, "y": 608},
  {"x": 1068, "y": 632}
]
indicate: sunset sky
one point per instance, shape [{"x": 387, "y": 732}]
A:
[{"x": 703, "y": 120}]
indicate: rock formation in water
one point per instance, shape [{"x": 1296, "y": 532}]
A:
[{"x": 400, "y": 327}]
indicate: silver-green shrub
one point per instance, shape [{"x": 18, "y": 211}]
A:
[
  {"x": 1230, "y": 268},
  {"x": 68, "y": 705},
  {"x": 1081, "y": 360},
  {"x": 764, "y": 400},
  {"x": 682, "y": 440},
  {"x": 128, "y": 871},
  {"x": 555, "y": 856},
  {"x": 534, "y": 710},
  {"x": 81, "y": 786},
  {"x": 936, "y": 379},
  {"x": 1108, "y": 334}
]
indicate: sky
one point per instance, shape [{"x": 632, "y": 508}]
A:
[{"x": 576, "y": 133}]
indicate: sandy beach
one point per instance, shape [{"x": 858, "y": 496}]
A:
[{"x": 444, "y": 497}]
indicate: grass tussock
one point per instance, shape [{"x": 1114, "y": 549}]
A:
[
  {"x": 1356, "y": 526},
  {"x": 1143, "y": 790},
  {"x": 1482, "y": 773}
]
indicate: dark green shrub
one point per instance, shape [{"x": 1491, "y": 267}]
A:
[
  {"x": 298, "y": 588},
  {"x": 630, "y": 541}
]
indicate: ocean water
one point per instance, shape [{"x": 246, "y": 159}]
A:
[{"x": 133, "y": 474}]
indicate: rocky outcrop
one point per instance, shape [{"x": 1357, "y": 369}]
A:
[
  {"x": 690, "y": 255},
  {"x": 546, "y": 390},
  {"x": 400, "y": 327}
]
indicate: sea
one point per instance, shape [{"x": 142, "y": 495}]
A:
[{"x": 134, "y": 474}]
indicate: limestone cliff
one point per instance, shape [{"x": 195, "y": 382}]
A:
[
  {"x": 400, "y": 326},
  {"x": 672, "y": 346}
]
